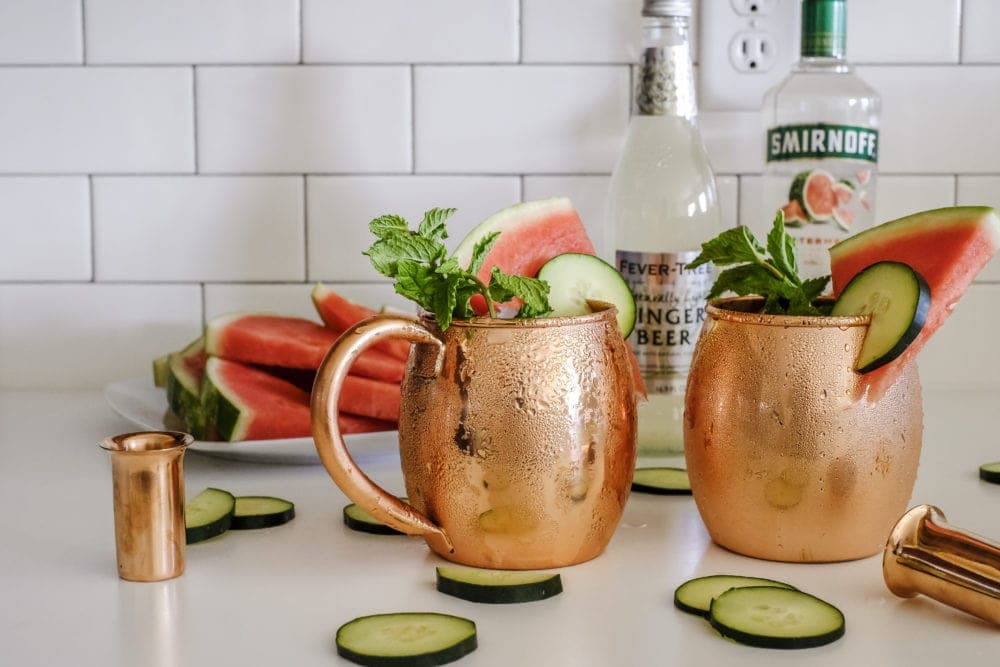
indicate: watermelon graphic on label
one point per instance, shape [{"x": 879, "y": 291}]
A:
[{"x": 814, "y": 192}]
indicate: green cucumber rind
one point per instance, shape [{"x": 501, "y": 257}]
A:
[
  {"x": 762, "y": 641},
  {"x": 253, "y": 521},
  {"x": 683, "y": 601},
  {"x": 658, "y": 488},
  {"x": 990, "y": 472},
  {"x": 625, "y": 301},
  {"x": 213, "y": 528},
  {"x": 498, "y": 593},
  {"x": 366, "y": 523},
  {"x": 444, "y": 655},
  {"x": 921, "y": 307}
]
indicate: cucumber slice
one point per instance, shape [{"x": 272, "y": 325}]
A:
[
  {"x": 497, "y": 586},
  {"x": 261, "y": 512},
  {"x": 772, "y": 617},
  {"x": 990, "y": 472},
  {"x": 897, "y": 298},
  {"x": 575, "y": 278},
  {"x": 358, "y": 519},
  {"x": 664, "y": 481},
  {"x": 695, "y": 595},
  {"x": 208, "y": 514},
  {"x": 407, "y": 638}
]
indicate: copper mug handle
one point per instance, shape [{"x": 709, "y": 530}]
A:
[{"x": 330, "y": 445}]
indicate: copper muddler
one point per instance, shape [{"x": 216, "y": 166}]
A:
[
  {"x": 926, "y": 555},
  {"x": 148, "y": 478}
]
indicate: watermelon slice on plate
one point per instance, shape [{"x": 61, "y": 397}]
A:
[
  {"x": 531, "y": 234},
  {"x": 339, "y": 314},
  {"x": 947, "y": 247},
  {"x": 184, "y": 373}
]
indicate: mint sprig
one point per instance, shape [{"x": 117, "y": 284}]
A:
[
  {"x": 770, "y": 271},
  {"x": 425, "y": 273}
]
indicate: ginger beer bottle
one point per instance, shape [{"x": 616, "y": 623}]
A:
[
  {"x": 662, "y": 206},
  {"x": 821, "y": 143}
]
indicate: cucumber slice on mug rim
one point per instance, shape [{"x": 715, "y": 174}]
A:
[
  {"x": 208, "y": 514},
  {"x": 406, "y": 638},
  {"x": 695, "y": 595},
  {"x": 261, "y": 512},
  {"x": 897, "y": 298},
  {"x": 990, "y": 472},
  {"x": 497, "y": 586},
  {"x": 771, "y": 617},
  {"x": 663, "y": 480},
  {"x": 575, "y": 278}
]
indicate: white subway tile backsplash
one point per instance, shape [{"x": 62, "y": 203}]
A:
[
  {"x": 192, "y": 31},
  {"x": 303, "y": 119},
  {"x": 295, "y": 300},
  {"x": 97, "y": 334},
  {"x": 96, "y": 120},
  {"x": 393, "y": 31},
  {"x": 539, "y": 119},
  {"x": 961, "y": 354},
  {"x": 580, "y": 31},
  {"x": 199, "y": 228},
  {"x": 40, "y": 32},
  {"x": 877, "y": 33},
  {"x": 728, "y": 188},
  {"x": 902, "y": 195},
  {"x": 734, "y": 140},
  {"x": 980, "y": 21},
  {"x": 340, "y": 207},
  {"x": 938, "y": 119},
  {"x": 981, "y": 191},
  {"x": 44, "y": 228}
]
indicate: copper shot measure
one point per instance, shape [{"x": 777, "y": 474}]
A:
[{"x": 147, "y": 475}]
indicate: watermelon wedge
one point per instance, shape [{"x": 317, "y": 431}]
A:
[
  {"x": 946, "y": 246},
  {"x": 531, "y": 234},
  {"x": 184, "y": 374},
  {"x": 340, "y": 314},
  {"x": 245, "y": 403},
  {"x": 290, "y": 342}
]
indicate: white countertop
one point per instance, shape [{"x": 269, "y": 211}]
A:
[{"x": 277, "y": 596}]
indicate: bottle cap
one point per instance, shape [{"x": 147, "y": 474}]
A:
[
  {"x": 666, "y": 8},
  {"x": 824, "y": 28}
]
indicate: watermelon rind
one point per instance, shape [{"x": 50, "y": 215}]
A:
[
  {"x": 800, "y": 186},
  {"x": 214, "y": 329},
  {"x": 508, "y": 219},
  {"x": 161, "y": 370},
  {"x": 224, "y": 410},
  {"x": 843, "y": 217},
  {"x": 184, "y": 390}
]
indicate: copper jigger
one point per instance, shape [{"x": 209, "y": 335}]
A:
[
  {"x": 148, "y": 477},
  {"x": 926, "y": 555}
]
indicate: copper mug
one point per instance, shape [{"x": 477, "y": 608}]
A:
[
  {"x": 517, "y": 437},
  {"x": 785, "y": 462}
]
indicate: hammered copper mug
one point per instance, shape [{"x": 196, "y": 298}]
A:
[
  {"x": 517, "y": 437},
  {"x": 786, "y": 461}
]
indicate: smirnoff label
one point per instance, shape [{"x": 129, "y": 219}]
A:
[
  {"x": 669, "y": 312},
  {"x": 822, "y": 140}
]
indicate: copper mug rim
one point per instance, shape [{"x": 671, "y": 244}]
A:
[
  {"x": 745, "y": 310},
  {"x": 601, "y": 310}
]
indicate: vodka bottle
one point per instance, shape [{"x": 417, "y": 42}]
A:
[
  {"x": 662, "y": 206},
  {"x": 821, "y": 143}
]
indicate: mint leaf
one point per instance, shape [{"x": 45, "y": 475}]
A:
[
  {"x": 445, "y": 299},
  {"x": 480, "y": 250},
  {"x": 781, "y": 246},
  {"x": 533, "y": 292},
  {"x": 417, "y": 282},
  {"x": 395, "y": 247},
  {"x": 389, "y": 223},
  {"x": 432, "y": 226},
  {"x": 743, "y": 280},
  {"x": 733, "y": 246},
  {"x": 813, "y": 287}
]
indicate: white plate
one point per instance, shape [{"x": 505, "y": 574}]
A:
[{"x": 144, "y": 405}]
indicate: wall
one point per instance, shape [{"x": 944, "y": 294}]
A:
[{"x": 164, "y": 162}]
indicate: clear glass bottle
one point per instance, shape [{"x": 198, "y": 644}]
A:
[
  {"x": 821, "y": 145},
  {"x": 662, "y": 206}
]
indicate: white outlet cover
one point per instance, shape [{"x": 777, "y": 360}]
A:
[{"x": 723, "y": 87}]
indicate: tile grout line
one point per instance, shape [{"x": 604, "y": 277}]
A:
[
  {"x": 83, "y": 32},
  {"x": 194, "y": 115},
  {"x": 305, "y": 227},
  {"x": 961, "y": 21},
  {"x": 302, "y": 32},
  {"x": 413, "y": 119},
  {"x": 93, "y": 227},
  {"x": 204, "y": 318},
  {"x": 520, "y": 32}
]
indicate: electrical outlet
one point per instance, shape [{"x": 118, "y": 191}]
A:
[{"x": 744, "y": 48}]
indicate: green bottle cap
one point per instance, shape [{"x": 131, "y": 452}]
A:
[{"x": 824, "y": 28}]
